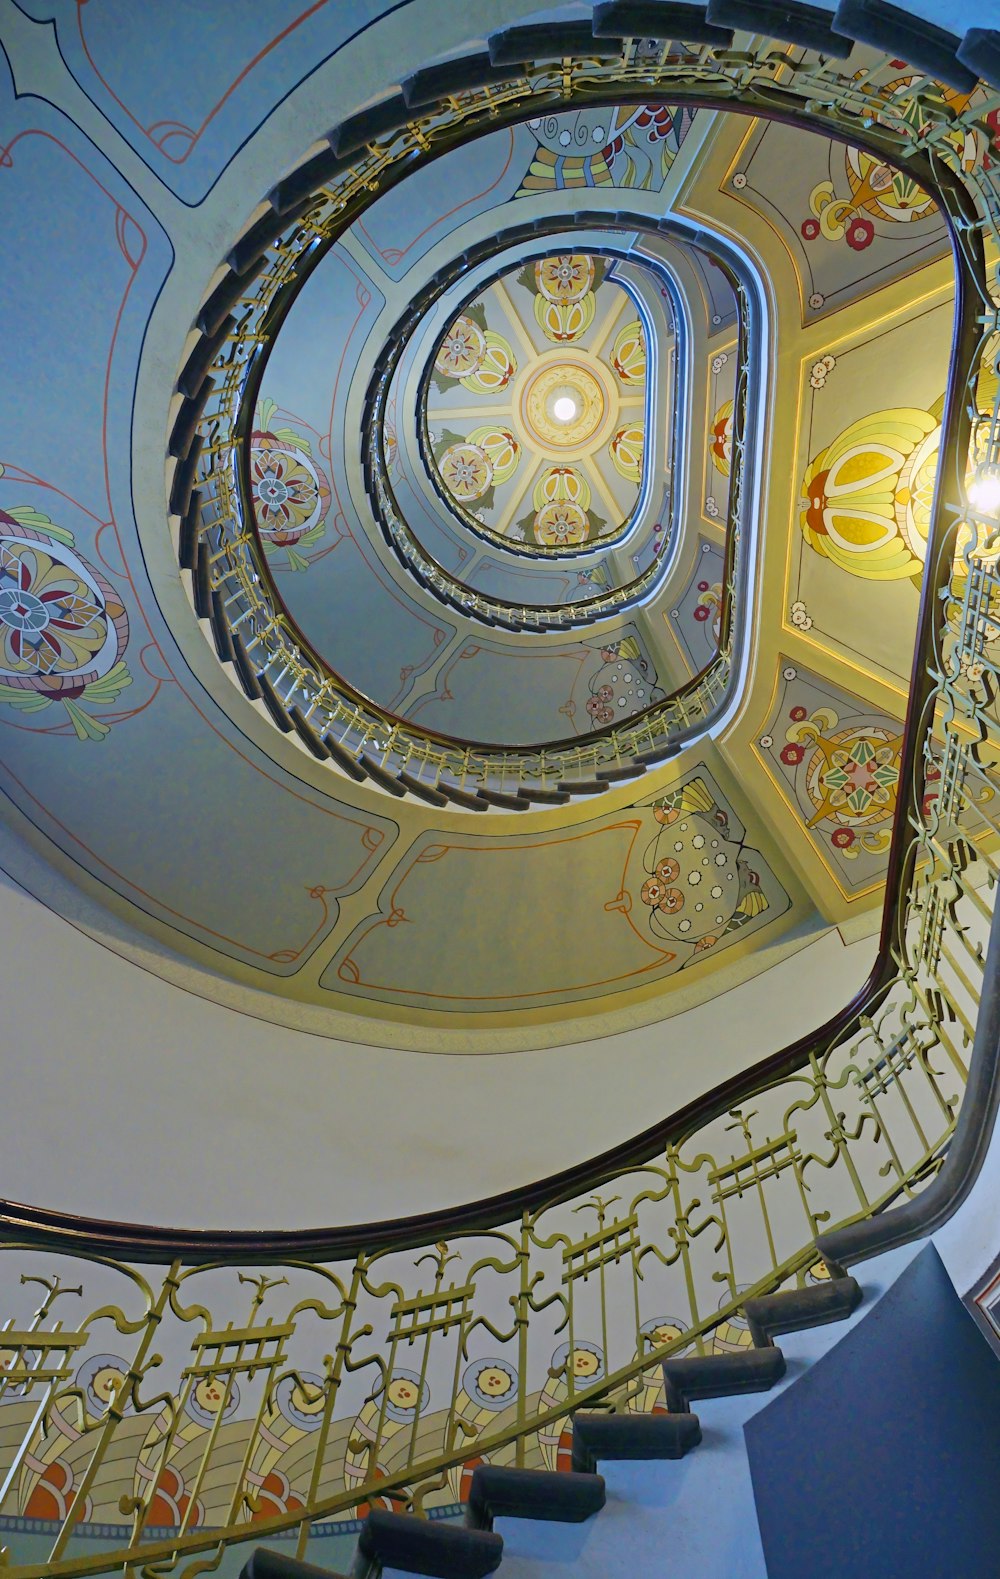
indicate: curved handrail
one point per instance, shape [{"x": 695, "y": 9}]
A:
[{"x": 848, "y": 1122}]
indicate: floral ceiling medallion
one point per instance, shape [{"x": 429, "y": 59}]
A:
[{"x": 535, "y": 405}]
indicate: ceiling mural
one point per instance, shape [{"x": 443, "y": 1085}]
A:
[
  {"x": 187, "y": 117},
  {"x": 850, "y": 223},
  {"x": 275, "y": 871},
  {"x": 635, "y": 898},
  {"x": 868, "y": 470},
  {"x": 624, "y": 147},
  {"x": 694, "y": 620},
  {"x": 290, "y": 491},
  {"x": 837, "y": 764},
  {"x": 631, "y": 148},
  {"x": 536, "y": 405},
  {"x": 541, "y": 692},
  {"x": 718, "y": 451}
]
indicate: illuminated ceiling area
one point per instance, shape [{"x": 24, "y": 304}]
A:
[{"x": 450, "y": 551}]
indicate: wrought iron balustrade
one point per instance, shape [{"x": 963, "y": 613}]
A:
[{"x": 250, "y": 1386}]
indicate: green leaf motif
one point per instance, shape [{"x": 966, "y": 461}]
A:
[{"x": 24, "y": 515}]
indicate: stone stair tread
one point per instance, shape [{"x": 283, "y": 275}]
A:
[
  {"x": 797, "y": 1309},
  {"x": 568, "y": 1497},
  {"x": 719, "y": 1375},
  {"x": 599, "y": 1436},
  {"x": 425, "y": 1546}
]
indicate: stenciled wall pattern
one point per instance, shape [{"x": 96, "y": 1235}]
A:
[{"x": 837, "y": 763}]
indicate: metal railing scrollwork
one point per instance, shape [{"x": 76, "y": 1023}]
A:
[{"x": 173, "y": 1395}]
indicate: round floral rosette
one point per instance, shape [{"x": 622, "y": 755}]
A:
[
  {"x": 63, "y": 627},
  {"x": 291, "y": 493}
]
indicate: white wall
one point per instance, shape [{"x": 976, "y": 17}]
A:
[{"x": 129, "y": 1097}]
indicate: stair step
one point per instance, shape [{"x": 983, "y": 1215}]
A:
[
  {"x": 424, "y": 1546},
  {"x": 627, "y": 1436},
  {"x": 796, "y": 1309},
  {"x": 266, "y": 1564},
  {"x": 718, "y": 1375},
  {"x": 566, "y": 1496}
]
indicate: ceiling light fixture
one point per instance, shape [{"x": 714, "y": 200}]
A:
[
  {"x": 984, "y": 490},
  {"x": 564, "y": 409}
]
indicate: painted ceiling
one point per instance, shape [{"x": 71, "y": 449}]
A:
[
  {"x": 132, "y": 762},
  {"x": 536, "y": 404}
]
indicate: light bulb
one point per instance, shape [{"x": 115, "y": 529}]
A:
[
  {"x": 984, "y": 491},
  {"x": 564, "y": 409}
]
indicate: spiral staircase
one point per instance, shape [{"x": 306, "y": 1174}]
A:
[{"x": 498, "y": 559}]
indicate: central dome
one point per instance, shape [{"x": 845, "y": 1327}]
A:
[
  {"x": 536, "y": 404},
  {"x": 565, "y": 404}
]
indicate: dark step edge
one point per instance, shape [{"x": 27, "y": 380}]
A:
[
  {"x": 204, "y": 352},
  {"x": 584, "y": 786},
  {"x": 544, "y": 797},
  {"x": 980, "y": 51},
  {"x": 380, "y": 775},
  {"x": 427, "y": 792},
  {"x": 307, "y": 734},
  {"x": 557, "y": 1496},
  {"x": 220, "y": 626},
  {"x": 271, "y": 701},
  {"x": 247, "y": 252},
  {"x": 461, "y": 797},
  {"x": 932, "y": 49},
  {"x": 425, "y": 87},
  {"x": 617, "y": 1437},
  {"x": 182, "y": 485},
  {"x": 522, "y": 44},
  {"x": 424, "y": 1546},
  {"x": 499, "y": 798},
  {"x": 218, "y": 305},
  {"x": 189, "y": 532},
  {"x": 798, "y": 1309},
  {"x": 629, "y": 770},
  {"x": 649, "y": 19},
  {"x": 805, "y": 26},
  {"x": 720, "y": 1376},
  {"x": 189, "y": 414},
  {"x": 302, "y": 183},
  {"x": 266, "y": 1564},
  {"x": 244, "y": 668},
  {"x": 344, "y": 759},
  {"x": 366, "y": 126},
  {"x": 201, "y": 581},
  {"x": 657, "y": 754}
]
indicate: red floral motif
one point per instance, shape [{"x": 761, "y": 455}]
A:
[
  {"x": 274, "y": 1497},
  {"x": 791, "y": 756},
  {"x": 702, "y": 612},
  {"x": 860, "y": 234},
  {"x": 842, "y": 838},
  {"x": 170, "y": 1503},
  {"x": 656, "y": 120},
  {"x": 51, "y": 1496},
  {"x": 797, "y": 714},
  {"x": 810, "y": 229}
]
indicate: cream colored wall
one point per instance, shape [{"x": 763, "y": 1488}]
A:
[{"x": 131, "y": 1096}]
